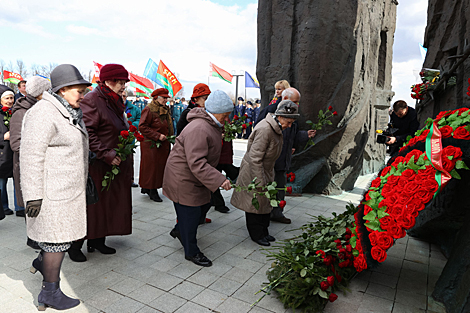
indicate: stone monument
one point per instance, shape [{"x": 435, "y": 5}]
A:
[{"x": 336, "y": 53}]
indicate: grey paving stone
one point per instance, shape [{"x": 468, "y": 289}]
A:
[
  {"x": 209, "y": 298},
  {"x": 381, "y": 291},
  {"x": 411, "y": 299},
  {"x": 382, "y": 279},
  {"x": 193, "y": 308},
  {"x": 203, "y": 278},
  {"x": 435, "y": 306},
  {"x": 127, "y": 286},
  {"x": 185, "y": 270},
  {"x": 167, "y": 303},
  {"x": 146, "y": 294},
  {"x": 147, "y": 309},
  {"x": 225, "y": 286},
  {"x": 372, "y": 304},
  {"x": 163, "y": 280},
  {"x": 232, "y": 305},
  {"x": 124, "y": 305},
  {"x": 104, "y": 299},
  {"x": 187, "y": 290},
  {"x": 165, "y": 265},
  {"x": 415, "y": 267},
  {"x": 402, "y": 308},
  {"x": 238, "y": 275}
]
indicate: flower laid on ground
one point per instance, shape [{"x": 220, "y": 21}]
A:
[
  {"x": 468, "y": 88},
  {"x": 232, "y": 129},
  {"x": 430, "y": 78},
  {"x": 7, "y": 116},
  {"x": 158, "y": 143},
  {"x": 125, "y": 147},
  {"x": 323, "y": 119},
  {"x": 290, "y": 177}
]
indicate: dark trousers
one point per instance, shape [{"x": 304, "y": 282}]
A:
[
  {"x": 281, "y": 180},
  {"x": 189, "y": 217},
  {"x": 231, "y": 171},
  {"x": 257, "y": 225}
]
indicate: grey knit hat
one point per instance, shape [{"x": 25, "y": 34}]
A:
[
  {"x": 36, "y": 85},
  {"x": 288, "y": 109},
  {"x": 218, "y": 102},
  {"x": 66, "y": 75}
]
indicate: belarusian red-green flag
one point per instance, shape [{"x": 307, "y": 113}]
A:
[
  {"x": 166, "y": 79},
  {"x": 143, "y": 86},
  {"x": 218, "y": 72},
  {"x": 11, "y": 77}
]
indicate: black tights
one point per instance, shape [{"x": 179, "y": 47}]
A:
[{"x": 51, "y": 263}]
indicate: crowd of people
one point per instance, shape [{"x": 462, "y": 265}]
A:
[{"x": 56, "y": 137}]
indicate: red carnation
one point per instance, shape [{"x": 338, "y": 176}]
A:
[
  {"x": 289, "y": 190},
  {"x": 235, "y": 118},
  {"x": 244, "y": 126},
  {"x": 282, "y": 204},
  {"x": 461, "y": 133},
  {"x": 330, "y": 280},
  {"x": 125, "y": 134},
  {"x": 132, "y": 128},
  {"x": 129, "y": 115},
  {"x": 332, "y": 297},
  {"x": 330, "y": 108},
  {"x": 335, "y": 113},
  {"x": 324, "y": 285}
]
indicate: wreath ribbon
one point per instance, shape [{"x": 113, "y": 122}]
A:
[{"x": 434, "y": 154}]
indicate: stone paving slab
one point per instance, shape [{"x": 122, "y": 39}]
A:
[{"x": 149, "y": 273}]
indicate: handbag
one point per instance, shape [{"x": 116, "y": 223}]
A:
[{"x": 91, "y": 191}]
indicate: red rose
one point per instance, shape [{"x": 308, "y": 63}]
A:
[
  {"x": 411, "y": 187},
  {"x": 385, "y": 171},
  {"x": 430, "y": 185},
  {"x": 244, "y": 126},
  {"x": 345, "y": 263},
  {"x": 408, "y": 174},
  {"x": 447, "y": 164},
  {"x": 251, "y": 123},
  {"x": 428, "y": 172},
  {"x": 140, "y": 138},
  {"x": 320, "y": 252},
  {"x": 367, "y": 210},
  {"x": 129, "y": 115},
  {"x": 324, "y": 285},
  {"x": 398, "y": 160},
  {"x": 415, "y": 153},
  {"x": 461, "y": 133},
  {"x": 338, "y": 278},
  {"x": 423, "y": 195},
  {"x": 289, "y": 190},
  {"x": 360, "y": 263},
  {"x": 392, "y": 180},
  {"x": 132, "y": 128},
  {"x": 406, "y": 221},
  {"x": 378, "y": 254},
  {"x": 347, "y": 237},
  {"x": 235, "y": 118},
  {"x": 396, "y": 231},
  {"x": 446, "y": 131},
  {"x": 376, "y": 182},
  {"x": 330, "y": 108},
  {"x": 384, "y": 240},
  {"x": 4, "y": 109},
  {"x": 245, "y": 115},
  {"x": 288, "y": 175},
  {"x": 442, "y": 114},
  {"x": 386, "y": 222},
  {"x": 424, "y": 134},
  {"x": 461, "y": 110},
  {"x": 124, "y": 134},
  {"x": 292, "y": 178},
  {"x": 373, "y": 238},
  {"x": 456, "y": 152},
  {"x": 348, "y": 231},
  {"x": 414, "y": 206},
  {"x": 335, "y": 113},
  {"x": 332, "y": 297},
  {"x": 282, "y": 204},
  {"x": 328, "y": 260}
]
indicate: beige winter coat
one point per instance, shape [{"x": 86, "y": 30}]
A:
[
  {"x": 264, "y": 148},
  {"x": 190, "y": 173},
  {"x": 54, "y": 167}
]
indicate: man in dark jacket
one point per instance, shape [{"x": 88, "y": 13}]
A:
[
  {"x": 405, "y": 119},
  {"x": 291, "y": 136},
  {"x": 21, "y": 90}
]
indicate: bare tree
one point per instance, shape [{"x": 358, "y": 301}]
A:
[
  {"x": 36, "y": 70},
  {"x": 21, "y": 68}
]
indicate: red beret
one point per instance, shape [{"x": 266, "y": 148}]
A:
[
  {"x": 201, "y": 90},
  {"x": 113, "y": 71},
  {"x": 162, "y": 92}
]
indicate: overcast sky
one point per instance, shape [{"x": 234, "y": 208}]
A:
[{"x": 185, "y": 34}]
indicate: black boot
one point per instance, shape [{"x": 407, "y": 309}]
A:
[
  {"x": 75, "y": 251},
  {"x": 154, "y": 195},
  {"x": 176, "y": 234},
  {"x": 33, "y": 244},
  {"x": 144, "y": 191},
  {"x": 52, "y": 296},
  {"x": 99, "y": 245},
  {"x": 37, "y": 264}
]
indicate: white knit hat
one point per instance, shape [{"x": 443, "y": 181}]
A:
[
  {"x": 218, "y": 102},
  {"x": 36, "y": 85}
]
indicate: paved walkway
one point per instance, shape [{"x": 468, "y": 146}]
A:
[{"x": 149, "y": 273}]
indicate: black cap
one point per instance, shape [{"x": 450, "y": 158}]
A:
[
  {"x": 66, "y": 75},
  {"x": 258, "y": 101},
  {"x": 4, "y": 88},
  {"x": 240, "y": 99},
  {"x": 249, "y": 102}
]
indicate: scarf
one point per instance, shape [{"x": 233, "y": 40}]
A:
[
  {"x": 113, "y": 98},
  {"x": 163, "y": 112},
  {"x": 76, "y": 114}
]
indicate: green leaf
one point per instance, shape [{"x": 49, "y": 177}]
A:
[
  {"x": 374, "y": 225},
  {"x": 323, "y": 294},
  {"x": 352, "y": 241},
  {"x": 274, "y": 203},
  {"x": 371, "y": 216},
  {"x": 255, "y": 203},
  {"x": 356, "y": 253},
  {"x": 271, "y": 187},
  {"x": 115, "y": 170},
  {"x": 309, "y": 122},
  {"x": 267, "y": 194},
  {"x": 450, "y": 157},
  {"x": 303, "y": 272},
  {"x": 461, "y": 165},
  {"x": 104, "y": 183},
  {"x": 381, "y": 214},
  {"x": 455, "y": 174}
]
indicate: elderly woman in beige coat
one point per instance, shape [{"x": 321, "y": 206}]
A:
[
  {"x": 264, "y": 147},
  {"x": 190, "y": 173},
  {"x": 54, "y": 168}
]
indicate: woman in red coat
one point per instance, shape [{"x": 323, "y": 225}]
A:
[
  {"x": 155, "y": 125},
  {"x": 103, "y": 114}
]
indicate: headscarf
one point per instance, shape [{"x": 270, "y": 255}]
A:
[{"x": 75, "y": 113}]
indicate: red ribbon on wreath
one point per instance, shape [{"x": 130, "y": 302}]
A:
[{"x": 434, "y": 154}]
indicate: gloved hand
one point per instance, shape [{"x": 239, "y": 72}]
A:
[{"x": 33, "y": 207}]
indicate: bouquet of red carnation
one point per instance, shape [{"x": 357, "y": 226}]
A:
[
  {"x": 125, "y": 147},
  {"x": 235, "y": 127},
  {"x": 323, "y": 119},
  {"x": 7, "y": 116}
]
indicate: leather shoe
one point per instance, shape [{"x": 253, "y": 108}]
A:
[
  {"x": 8, "y": 212},
  {"x": 76, "y": 255},
  {"x": 262, "y": 242},
  {"x": 270, "y": 238},
  {"x": 20, "y": 213},
  {"x": 176, "y": 234},
  {"x": 222, "y": 209},
  {"x": 199, "y": 259},
  {"x": 134, "y": 185},
  {"x": 144, "y": 191},
  {"x": 283, "y": 220},
  {"x": 155, "y": 196}
]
